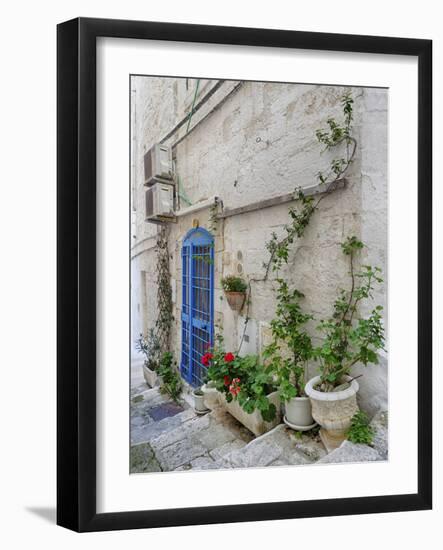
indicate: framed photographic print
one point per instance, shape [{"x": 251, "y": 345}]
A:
[{"x": 244, "y": 274}]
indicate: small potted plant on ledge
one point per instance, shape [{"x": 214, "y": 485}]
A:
[
  {"x": 199, "y": 401},
  {"x": 235, "y": 290},
  {"x": 149, "y": 346},
  {"x": 347, "y": 340},
  {"x": 246, "y": 387},
  {"x": 288, "y": 355}
]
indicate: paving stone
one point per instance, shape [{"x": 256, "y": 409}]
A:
[
  {"x": 351, "y": 452},
  {"x": 143, "y": 459},
  {"x": 194, "y": 425},
  {"x": 150, "y": 431},
  {"x": 227, "y": 448},
  {"x": 202, "y": 463},
  {"x": 179, "y": 453},
  {"x": 380, "y": 441},
  {"x": 214, "y": 436},
  {"x": 222, "y": 417}
]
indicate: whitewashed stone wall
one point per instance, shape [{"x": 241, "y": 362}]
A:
[{"x": 256, "y": 143}]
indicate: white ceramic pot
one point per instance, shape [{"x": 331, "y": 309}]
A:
[
  {"x": 333, "y": 410},
  {"x": 298, "y": 413},
  {"x": 199, "y": 402},
  {"x": 254, "y": 421}
]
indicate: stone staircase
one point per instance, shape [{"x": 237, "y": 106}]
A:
[
  {"x": 169, "y": 436},
  {"x": 166, "y": 436}
]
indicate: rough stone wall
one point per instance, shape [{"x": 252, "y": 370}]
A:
[{"x": 257, "y": 144}]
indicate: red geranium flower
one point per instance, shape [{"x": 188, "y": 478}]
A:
[
  {"x": 229, "y": 357},
  {"x": 226, "y": 380},
  {"x": 234, "y": 388},
  {"x": 206, "y": 358}
]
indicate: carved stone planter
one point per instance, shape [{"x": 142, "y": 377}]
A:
[
  {"x": 235, "y": 300},
  {"x": 211, "y": 396},
  {"x": 151, "y": 377},
  {"x": 254, "y": 421},
  {"x": 333, "y": 411}
]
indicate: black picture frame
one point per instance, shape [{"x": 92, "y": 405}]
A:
[{"x": 76, "y": 280}]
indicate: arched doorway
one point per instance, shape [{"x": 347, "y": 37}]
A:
[{"x": 197, "y": 315}]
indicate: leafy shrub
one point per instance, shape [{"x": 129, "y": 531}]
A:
[
  {"x": 242, "y": 379},
  {"x": 288, "y": 329},
  {"x": 347, "y": 339},
  {"x": 149, "y": 346},
  {"x": 360, "y": 430},
  {"x": 171, "y": 382},
  {"x": 231, "y": 283}
]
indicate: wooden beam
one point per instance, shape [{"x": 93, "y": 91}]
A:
[{"x": 282, "y": 199}]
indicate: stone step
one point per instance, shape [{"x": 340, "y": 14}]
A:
[
  {"x": 200, "y": 442},
  {"x": 278, "y": 447}
]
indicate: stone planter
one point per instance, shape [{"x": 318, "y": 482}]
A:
[
  {"x": 235, "y": 300},
  {"x": 333, "y": 411},
  {"x": 254, "y": 421},
  {"x": 211, "y": 396},
  {"x": 298, "y": 413},
  {"x": 199, "y": 401},
  {"x": 151, "y": 377}
]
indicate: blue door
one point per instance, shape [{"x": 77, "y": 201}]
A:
[{"x": 197, "y": 303}]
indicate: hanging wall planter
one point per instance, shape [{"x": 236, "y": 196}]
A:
[{"x": 235, "y": 291}]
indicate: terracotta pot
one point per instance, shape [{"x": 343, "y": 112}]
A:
[
  {"x": 298, "y": 413},
  {"x": 236, "y": 300},
  {"x": 333, "y": 411}
]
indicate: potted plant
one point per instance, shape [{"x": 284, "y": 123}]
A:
[
  {"x": 246, "y": 388},
  {"x": 170, "y": 381},
  {"x": 235, "y": 290},
  {"x": 288, "y": 355},
  {"x": 347, "y": 340},
  {"x": 199, "y": 401},
  {"x": 149, "y": 346}
]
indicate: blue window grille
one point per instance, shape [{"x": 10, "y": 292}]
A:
[{"x": 197, "y": 303}]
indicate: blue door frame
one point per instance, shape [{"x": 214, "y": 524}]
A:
[{"x": 197, "y": 303}]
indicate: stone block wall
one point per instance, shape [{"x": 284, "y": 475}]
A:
[{"x": 250, "y": 145}]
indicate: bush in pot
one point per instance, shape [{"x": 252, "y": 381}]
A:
[
  {"x": 235, "y": 290},
  {"x": 149, "y": 346},
  {"x": 347, "y": 340},
  {"x": 288, "y": 355}
]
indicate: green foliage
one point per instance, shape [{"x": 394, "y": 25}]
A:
[
  {"x": 360, "y": 430},
  {"x": 171, "y": 382},
  {"x": 288, "y": 330},
  {"x": 149, "y": 346},
  {"x": 346, "y": 339},
  {"x": 336, "y": 136},
  {"x": 243, "y": 379},
  {"x": 231, "y": 283}
]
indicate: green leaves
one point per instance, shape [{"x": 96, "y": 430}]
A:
[
  {"x": 347, "y": 339},
  {"x": 360, "y": 430},
  {"x": 232, "y": 283},
  {"x": 171, "y": 381}
]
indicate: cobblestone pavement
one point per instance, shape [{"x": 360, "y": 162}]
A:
[{"x": 169, "y": 436}]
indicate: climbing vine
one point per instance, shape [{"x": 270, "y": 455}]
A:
[
  {"x": 338, "y": 137},
  {"x": 164, "y": 291}
]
